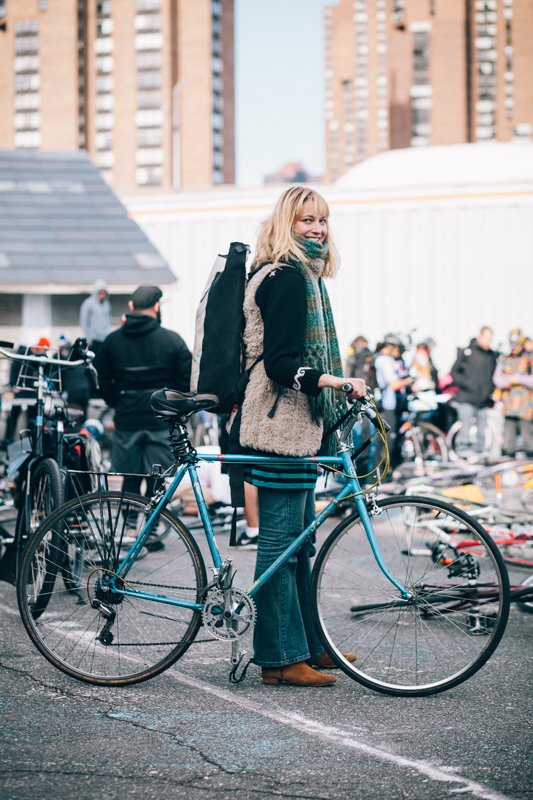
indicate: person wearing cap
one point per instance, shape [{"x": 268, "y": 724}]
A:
[
  {"x": 472, "y": 373},
  {"x": 23, "y": 389},
  {"x": 392, "y": 381},
  {"x": 133, "y": 362},
  {"x": 514, "y": 378},
  {"x": 95, "y": 316}
]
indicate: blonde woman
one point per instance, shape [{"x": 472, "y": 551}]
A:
[{"x": 292, "y": 397}]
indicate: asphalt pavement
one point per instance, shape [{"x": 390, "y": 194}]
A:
[{"x": 189, "y": 733}]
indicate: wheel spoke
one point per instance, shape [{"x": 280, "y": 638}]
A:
[
  {"x": 119, "y": 639},
  {"x": 451, "y": 624}
]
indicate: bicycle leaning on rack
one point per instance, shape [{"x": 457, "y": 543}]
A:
[
  {"x": 418, "y": 624},
  {"x": 41, "y": 455}
]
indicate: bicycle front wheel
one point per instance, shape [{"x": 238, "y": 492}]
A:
[
  {"x": 449, "y": 627},
  {"x": 96, "y": 634}
]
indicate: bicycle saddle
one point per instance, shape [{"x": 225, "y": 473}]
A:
[
  {"x": 68, "y": 414},
  {"x": 171, "y": 402}
]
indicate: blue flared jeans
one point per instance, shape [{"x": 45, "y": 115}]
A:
[{"x": 284, "y": 632}]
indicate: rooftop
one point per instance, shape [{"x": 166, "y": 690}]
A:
[
  {"x": 443, "y": 165},
  {"x": 61, "y": 223}
]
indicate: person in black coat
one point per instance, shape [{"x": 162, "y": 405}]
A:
[
  {"x": 133, "y": 362},
  {"x": 472, "y": 372}
]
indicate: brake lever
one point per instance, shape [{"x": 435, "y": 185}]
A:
[{"x": 366, "y": 408}]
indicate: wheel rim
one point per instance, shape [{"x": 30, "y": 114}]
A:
[
  {"x": 42, "y": 503},
  {"x": 145, "y": 636},
  {"x": 450, "y": 627}
]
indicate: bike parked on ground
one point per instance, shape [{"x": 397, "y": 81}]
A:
[
  {"x": 40, "y": 459},
  {"x": 418, "y": 625}
]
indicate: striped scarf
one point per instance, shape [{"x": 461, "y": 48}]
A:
[{"x": 321, "y": 348}]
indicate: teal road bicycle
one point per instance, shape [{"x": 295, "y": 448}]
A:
[{"x": 422, "y": 609}]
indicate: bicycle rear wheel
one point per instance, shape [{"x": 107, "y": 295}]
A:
[
  {"x": 144, "y": 636},
  {"x": 46, "y": 495},
  {"x": 425, "y": 441},
  {"x": 453, "y": 622}
]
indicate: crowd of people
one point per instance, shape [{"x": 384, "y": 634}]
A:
[
  {"x": 479, "y": 378},
  {"x": 294, "y": 394}
]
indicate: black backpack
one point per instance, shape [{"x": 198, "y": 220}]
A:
[{"x": 217, "y": 362}]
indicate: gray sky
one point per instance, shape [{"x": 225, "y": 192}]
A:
[{"x": 279, "y": 86}]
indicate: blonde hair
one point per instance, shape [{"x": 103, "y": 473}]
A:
[{"x": 276, "y": 241}]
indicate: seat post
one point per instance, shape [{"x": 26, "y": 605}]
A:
[{"x": 180, "y": 444}]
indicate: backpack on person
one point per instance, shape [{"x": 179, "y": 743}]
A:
[
  {"x": 219, "y": 359},
  {"x": 218, "y": 355}
]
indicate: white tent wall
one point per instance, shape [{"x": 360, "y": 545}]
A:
[
  {"x": 443, "y": 267},
  {"x": 444, "y": 259}
]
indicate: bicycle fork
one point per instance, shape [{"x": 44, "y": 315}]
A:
[{"x": 366, "y": 519}]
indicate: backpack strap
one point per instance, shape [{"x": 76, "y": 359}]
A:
[
  {"x": 236, "y": 471},
  {"x": 245, "y": 376}
]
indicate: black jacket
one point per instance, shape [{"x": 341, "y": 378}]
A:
[
  {"x": 359, "y": 364},
  {"x": 472, "y": 372},
  {"x": 136, "y": 360}
]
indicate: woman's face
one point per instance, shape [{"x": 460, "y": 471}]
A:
[{"x": 311, "y": 225}]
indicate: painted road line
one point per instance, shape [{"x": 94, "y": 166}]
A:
[
  {"x": 337, "y": 736},
  {"x": 344, "y": 739}
]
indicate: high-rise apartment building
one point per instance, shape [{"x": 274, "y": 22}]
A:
[
  {"x": 146, "y": 86},
  {"x": 401, "y": 73}
]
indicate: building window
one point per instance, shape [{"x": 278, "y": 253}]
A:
[
  {"x": 11, "y": 309},
  {"x": 149, "y": 156},
  {"x": 421, "y": 90},
  {"x": 104, "y": 84},
  {"x": 486, "y": 55},
  {"x": 27, "y": 119},
  {"x": 349, "y": 127},
  {"x": 361, "y": 80},
  {"x": 508, "y": 57},
  {"x": 217, "y": 86},
  {"x": 66, "y": 308},
  {"x": 381, "y": 80},
  {"x": 82, "y": 73}
]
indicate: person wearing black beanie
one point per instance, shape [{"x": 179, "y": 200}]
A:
[{"x": 133, "y": 362}]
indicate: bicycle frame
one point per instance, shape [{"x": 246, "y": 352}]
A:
[
  {"x": 343, "y": 461},
  {"x": 36, "y": 454}
]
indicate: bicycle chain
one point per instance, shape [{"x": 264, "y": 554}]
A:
[
  {"x": 166, "y": 586},
  {"x": 160, "y": 644}
]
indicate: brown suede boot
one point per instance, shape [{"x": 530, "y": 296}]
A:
[
  {"x": 299, "y": 674},
  {"x": 325, "y": 662}
]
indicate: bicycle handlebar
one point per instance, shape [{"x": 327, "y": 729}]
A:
[
  {"x": 366, "y": 407},
  {"x": 42, "y": 359}
]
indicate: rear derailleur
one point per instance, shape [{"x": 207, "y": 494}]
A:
[{"x": 104, "y": 599}]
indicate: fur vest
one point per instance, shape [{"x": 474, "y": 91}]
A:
[{"x": 291, "y": 430}]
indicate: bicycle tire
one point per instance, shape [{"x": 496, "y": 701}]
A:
[
  {"x": 430, "y": 430},
  {"x": 527, "y": 607},
  {"x": 142, "y": 642},
  {"x": 431, "y": 643},
  {"x": 526, "y": 498},
  {"x": 423, "y": 443},
  {"x": 46, "y": 495},
  {"x": 453, "y": 440},
  {"x": 514, "y": 559}
]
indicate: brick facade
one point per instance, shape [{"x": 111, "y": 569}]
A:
[
  {"x": 403, "y": 73},
  {"x": 100, "y": 74}
]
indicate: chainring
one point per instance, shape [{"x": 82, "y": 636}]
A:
[{"x": 236, "y": 623}]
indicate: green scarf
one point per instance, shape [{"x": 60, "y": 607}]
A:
[{"x": 321, "y": 348}]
